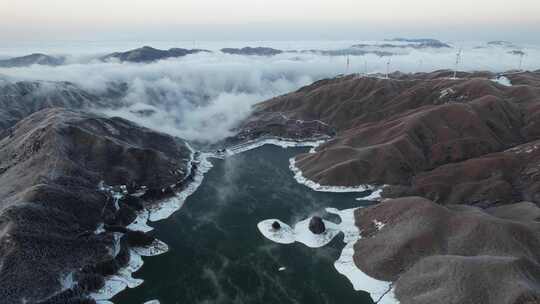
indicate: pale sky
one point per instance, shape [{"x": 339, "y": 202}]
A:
[{"x": 35, "y": 20}]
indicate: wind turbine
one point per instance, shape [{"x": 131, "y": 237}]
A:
[
  {"x": 388, "y": 68},
  {"x": 458, "y": 61},
  {"x": 521, "y": 61},
  {"x": 365, "y": 67}
]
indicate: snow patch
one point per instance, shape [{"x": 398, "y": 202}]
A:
[
  {"x": 446, "y": 92},
  {"x": 114, "y": 284},
  {"x": 301, "y": 233},
  {"x": 141, "y": 222},
  {"x": 116, "y": 244},
  {"x": 120, "y": 281},
  {"x": 280, "y": 142},
  {"x": 502, "y": 80},
  {"x": 347, "y": 224},
  {"x": 524, "y": 149},
  {"x": 100, "y": 229},
  {"x": 156, "y": 248},
  {"x": 67, "y": 282},
  {"x": 299, "y": 177},
  {"x": 378, "y": 225},
  {"x": 380, "y": 291},
  {"x": 283, "y": 235},
  {"x": 374, "y": 196},
  {"x": 168, "y": 207},
  {"x": 323, "y": 188}
]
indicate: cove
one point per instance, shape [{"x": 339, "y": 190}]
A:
[{"x": 217, "y": 255}]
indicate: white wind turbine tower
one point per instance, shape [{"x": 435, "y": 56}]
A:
[
  {"x": 458, "y": 61},
  {"x": 388, "y": 67},
  {"x": 521, "y": 61},
  {"x": 365, "y": 67}
]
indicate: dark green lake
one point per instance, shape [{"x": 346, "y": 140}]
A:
[{"x": 217, "y": 254}]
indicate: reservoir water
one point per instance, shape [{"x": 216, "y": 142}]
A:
[{"x": 217, "y": 255}]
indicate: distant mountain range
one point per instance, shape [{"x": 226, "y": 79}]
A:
[
  {"x": 250, "y": 51},
  {"x": 502, "y": 43},
  {"x": 146, "y": 54},
  {"x": 32, "y": 59},
  {"x": 409, "y": 43},
  {"x": 421, "y": 41},
  {"x": 150, "y": 54}
]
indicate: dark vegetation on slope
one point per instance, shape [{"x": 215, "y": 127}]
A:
[{"x": 51, "y": 165}]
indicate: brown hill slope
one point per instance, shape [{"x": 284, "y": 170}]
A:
[
  {"x": 468, "y": 141},
  {"x": 438, "y": 254},
  {"x": 389, "y": 131}
]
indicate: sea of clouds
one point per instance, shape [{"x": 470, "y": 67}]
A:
[{"x": 202, "y": 97}]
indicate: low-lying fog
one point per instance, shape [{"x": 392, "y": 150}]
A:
[{"x": 202, "y": 96}]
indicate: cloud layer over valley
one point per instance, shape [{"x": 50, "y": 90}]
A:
[{"x": 202, "y": 97}]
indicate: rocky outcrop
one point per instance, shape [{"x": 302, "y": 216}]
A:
[
  {"x": 438, "y": 254},
  {"x": 316, "y": 225},
  {"x": 40, "y": 59},
  {"x": 51, "y": 166},
  {"x": 149, "y": 54}
]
